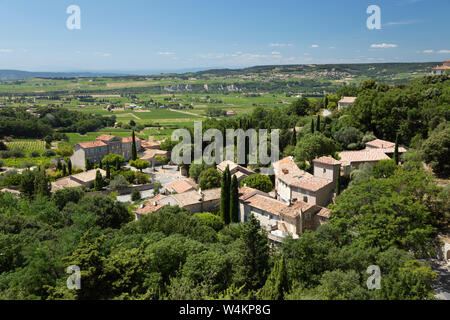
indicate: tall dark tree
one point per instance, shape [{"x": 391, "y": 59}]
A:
[
  {"x": 133, "y": 147},
  {"x": 293, "y": 141},
  {"x": 88, "y": 165},
  {"x": 118, "y": 166},
  {"x": 27, "y": 183},
  {"x": 254, "y": 256},
  {"x": 69, "y": 166},
  {"x": 59, "y": 165},
  {"x": 318, "y": 123},
  {"x": 41, "y": 184},
  {"x": 225, "y": 196},
  {"x": 64, "y": 170},
  {"x": 338, "y": 185},
  {"x": 396, "y": 156},
  {"x": 312, "y": 126},
  {"x": 277, "y": 283},
  {"x": 98, "y": 183},
  {"x": 108, "y": 171},
  {"x": 234, "y": 200}
]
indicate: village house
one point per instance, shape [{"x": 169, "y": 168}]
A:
[
  {"x": 293, "y": 184},
  {"x": 376, "y": 150},
  {"x": 151, "y": 155},
  {"x": 278, "y": 218},
  {"x": 180, "y": 186},
  {"x": 194, "y": 201},
  {"x": 235, "y": 170},
  {"x": 84, "y": 179},
  {"x": 95, "y": 151},
  {"x": 231, "y": 113},
  {"x": 345, "y": 102},
  {"x": 443, "y": 69}
]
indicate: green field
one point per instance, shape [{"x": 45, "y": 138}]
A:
[{"x": 26, "y": 145}]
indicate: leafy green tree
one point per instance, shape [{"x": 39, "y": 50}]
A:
[
  {"x": 253, "y": 258},
  {"x": 348, "y": 137},
  {"x": 42, "y": 186},
  {"x": 225, "y": 196},
  {"x": 88, "y": 165},
  {"x": 384, "y": 168},
  {"x": 139, "y": 164},
  {"x": 436, "y": 152},
  {"x": 277, "y": 283},
  {"x": 114, "y": 158},
  {"x": 108, "y": 171},
  {"x": 118, "y": 183},
  {"x": 211, "y": 220},
  {"x": 209, "y": 179},
  {"x": 27, "y": 183},
  {"x": 163, "y": 160},
  {"x": 234, "y": 200},
  {"x": 301, "y": 107},
  {"x": 63, "y": 196},
  {"x": 313, "y": 146},
  {"x": 258, "y": 181}
]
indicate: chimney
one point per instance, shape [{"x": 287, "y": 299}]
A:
[
  {"x": 285, "y": 171},
  {"x": 155, "y": 204}
]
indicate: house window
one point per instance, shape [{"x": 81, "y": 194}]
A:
[
  {"x": 324, "y": 170},
  {"x": 305, "y": 199}
]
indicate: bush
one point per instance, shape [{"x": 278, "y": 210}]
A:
[
  {"x": 35, "y": 154},
  {"x": 136, "y": 195},
  {"x": 49, "y": 153},
  {"x": 259, "y": 182},
  {"x": 118, "y": 183},
  {"x": 142, "y": 178}
]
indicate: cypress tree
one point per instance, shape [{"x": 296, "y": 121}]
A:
[
  {"x": 338, "y": 185},
  {"x": 59, "y": 165},
  {"x": 277, "y": 283},
  {"x": 64, "y": 170},
  {"x": 234, "y": 200},
  {"x": 69, "y": 166},
  {"x": 318, "y": 124},
  {"x": 41, "y": 184},
  {"x": 312, "y": 126},
  {"x": 396, "y": 157},
  {"x": 88, "y": 165},
  {"x": 294, "y": 138},
  {"x": 225, "y": 197},
  {"x": 117, "y": 164},
  {"x": 133, "y": 148},
  {"x": 108, "y": 171},
  {"x": 98, "y": 183}
]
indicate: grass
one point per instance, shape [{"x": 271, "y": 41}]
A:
[{"x": 17, "y": 162}]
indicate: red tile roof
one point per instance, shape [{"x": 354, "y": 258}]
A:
[
  {"x": 92, "y": 144},
  {"x": 367, "y": 155},
  {"x": 381, "y": 144},
  {"x": 179, "y": 186},
  {"x": 153, "y": 205},
  {"x": 105, "y": 137},
  {"x": 327, "y": 160}
]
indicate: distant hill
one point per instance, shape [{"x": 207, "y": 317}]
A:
[{"x": 7, "y": 75}]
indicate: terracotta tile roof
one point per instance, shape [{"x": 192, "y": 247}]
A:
[
  {"x": 392, "y": 150},
  {"x": 150, "y": 144},
  {"x": 88, "y": 176},
  {"x": 324, "y": 213},
  {"x": 380, "y": 144},
  {"x": 442, "y": 68},
  {"x": 92, "y": 144},
  {"x": 295, "y": 209},
  {"x": 64, "y": 183},
  {"x": 223, "y": 165},
  {"x": 179, "y": 186},
  {"x": 152, "y": 153},
  {"x": 348, "y": 100},
  {"x": 287, "y": 166},
  {"x": 194, "y": 197},
  {"x": 367, "y": 155},
  {"x": 130, "y": 139},
  {"x": 105, "y": 137},
  {"x": 266, "y": 204},
  {"x": 327, "y": 160},
  {"x": 310, "y": 183},
  {"x": 246, "y": 192},
  {"x": 153, "y": 205}
]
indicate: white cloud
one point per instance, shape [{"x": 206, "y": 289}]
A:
[
  {"x": 5, "y": 51},
  {"x": 444, "y": 51},
  {"x": 384, "y": 45},
  {"x": 166, "y": 53},
  {"x": 280, "y": 44},
  {"x": 276, "y": 53},
  {"x": 315, "y": 46},
  {"x": 428, "y": 51}
]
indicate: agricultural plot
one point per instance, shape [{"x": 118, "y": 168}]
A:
[{"x": 26, "y": 146}]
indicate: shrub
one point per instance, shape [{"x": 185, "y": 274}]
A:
[
  {"x": 35, "y": 154},
  {"x": 136, "y": 195},
  {"x": 49, "y": 153}
]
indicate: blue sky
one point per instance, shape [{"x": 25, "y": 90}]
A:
[{"x": 141, "y": 35}]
